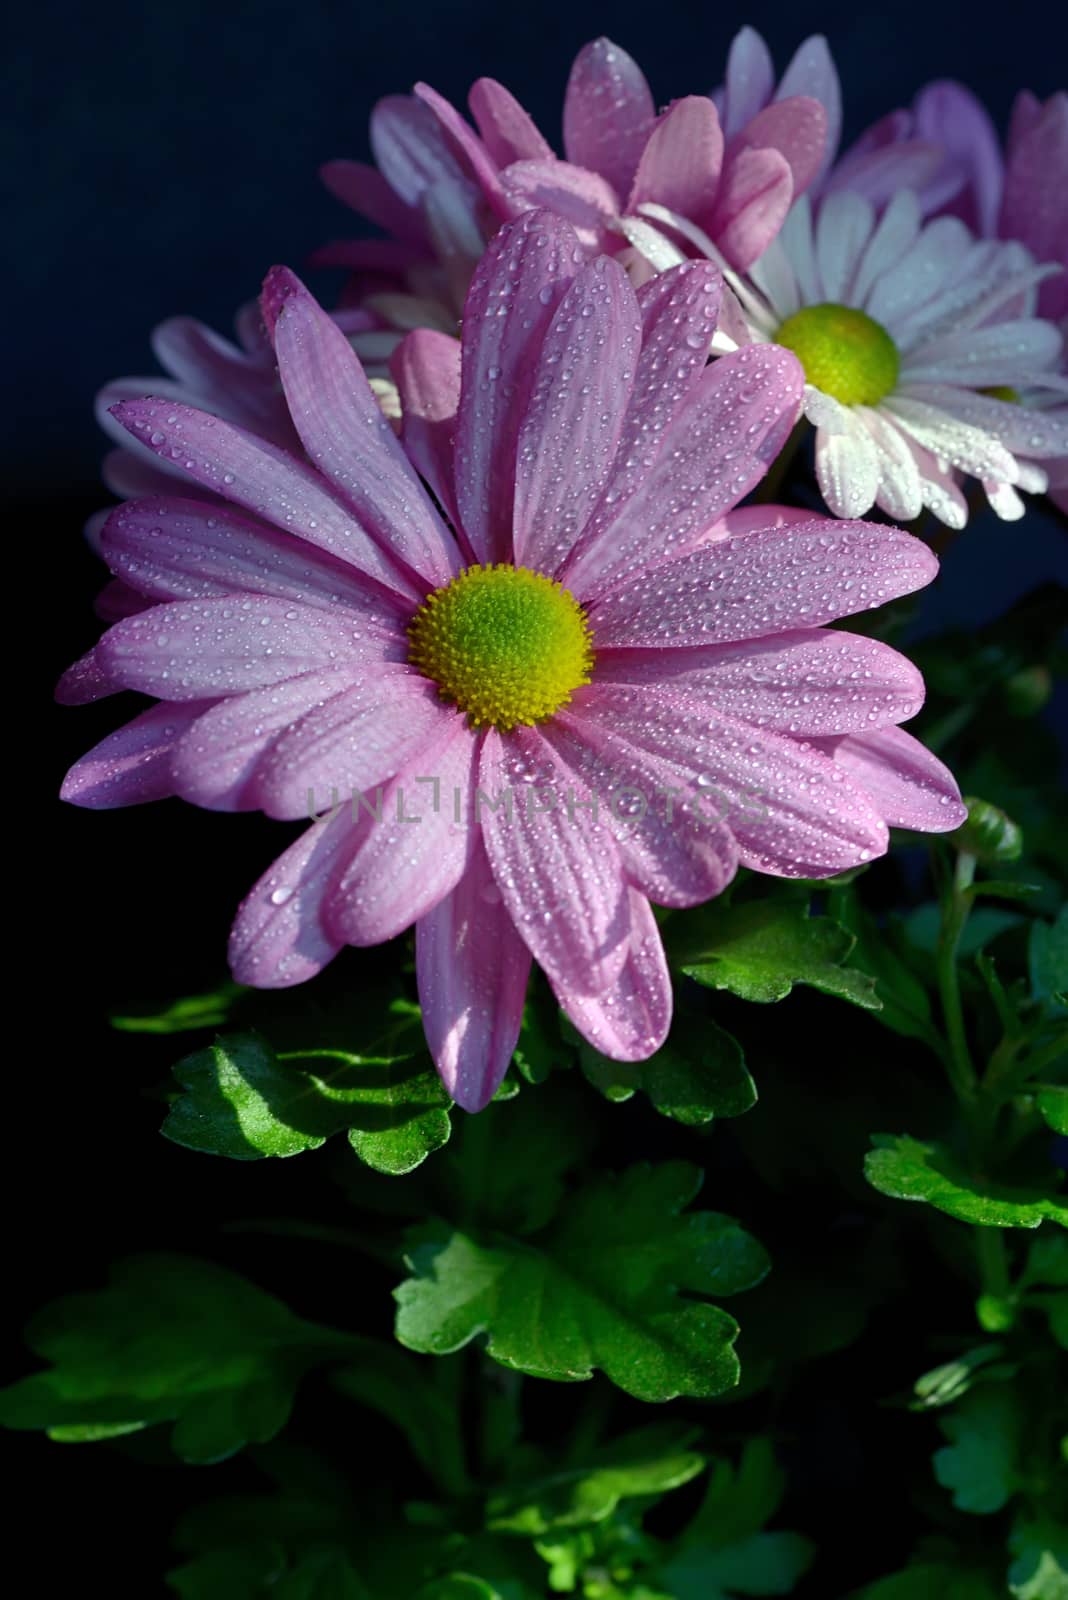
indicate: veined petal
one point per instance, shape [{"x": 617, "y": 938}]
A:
[
  {"x": 133, "y": 764},
  {"x": 764, "y": 582},
  {"x": 793, "y": 812},
  {"x": 755, "y": 193},
  {"x": 560, "y": 876},
  {"x": 911, "y": 788},
  {"x": 717, "y": 448},
  {"x": 508, "y": 132},
  {"x": 681, "y": 163},
  {"x": 263, "y": 479},
  {"x": 812, "y": 73},
  {"x": 349, "y": 438},
  {"x": 409, "y": 147},
  {"x": 174, "y": 549},
  {"x": 631, "y": 1019},
  {"x": 672, "y": 853},
  {"x": 366, "y": 190},
  {"x": 277, "y": 939},
  {"x": 806, "y": 682},
  {"x": 416, "y": 852},
  {"x": 608, "y": 113},
  {"x": 472, "y": 969},
  {"x": 581, "y": 389},
  {"x": 583, "y": 199},
  {"x": 519, "y": 283},
  {"x": 216, "y": 759},
  {"x": 205, "y": 649},
  {"x": 750, "y": 80},
  {"x": 352, "y": 743},
  {"x": 847, "y": 469},
  {"x": 426, "y": 370},
  {"x": 796, "y": 128}
]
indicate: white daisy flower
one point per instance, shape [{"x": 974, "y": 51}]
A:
[{"x": 918, "y": 342}]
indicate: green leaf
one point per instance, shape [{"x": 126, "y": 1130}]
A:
[
  {"x": 906, "y": 1007},
  {"x": 648, "y": 1462},
  {"x": 1052, "y": 1102},
  {"x": 541, "y": 1048},
  {"x": 698, "y": 1074},
  {"x": 946, "y": 1384},
  {"x": 1039, "y": 1570},
  {"x": 906, "y": 1169},
  {"x": 417, "y": 1401},
  {"x": 725, "y": 1548},
  {"x": 760, "y": 950},
  {"x": 932, "y": 1581},
  {"x": 597, "y": 1288},
  {"x": 192, "y": 1011},
  {"x": 172, "y": 1339},
  {"x": 978, "y": 1465},
  {"x": 1048, "y": 959},
  {"x": 245, "y": 1102}
]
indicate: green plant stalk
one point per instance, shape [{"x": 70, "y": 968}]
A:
[{"x": 979, "y": 1108}]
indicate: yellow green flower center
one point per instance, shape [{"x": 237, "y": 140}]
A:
[
  {"x": 506, "y": 644},
  {"x": 1002, "y": 391},
  {"x": 844, "y": 352}
]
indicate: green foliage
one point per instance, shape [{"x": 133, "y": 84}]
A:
[
  {"x": 698, "y": 1074},
  {"x": 760, "y": 949},
  {"x": 243, "y": 1101},
  {"x": 175, "y": 1340},
  {"x": 907, "y": 1169},
  {"x": 598, "y": 1288},
  {"x": 979, "y": 1464}
]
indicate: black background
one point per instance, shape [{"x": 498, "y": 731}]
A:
[{"x": 165, "y": 156}]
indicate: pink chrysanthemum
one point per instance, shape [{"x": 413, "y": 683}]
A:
[
  {"x": 441, "y": 188},
  {"x": 593, "y": 631}
]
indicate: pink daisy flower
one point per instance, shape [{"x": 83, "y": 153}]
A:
[
  {"x": 916, "y": 340},
  {"x": 594, "y": 682},
  {"x": 441, "y": 188}
]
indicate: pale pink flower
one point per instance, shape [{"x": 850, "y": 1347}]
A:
[
  {"x": 441, "y": 187},
  {"x": 578, "y": 618}
]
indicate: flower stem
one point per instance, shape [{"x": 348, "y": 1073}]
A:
[{"x": 956, "y": 906}]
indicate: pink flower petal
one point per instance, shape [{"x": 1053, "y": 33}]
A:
[
  {"x": 201, "y": 649},
  {"x": 806, "y": 682},
  {"x": 674, "y": 854},
  {"x": 132, "y": 765},
  {"x": 355, "y": 742},
  {"x": 793, "y": 812},
  {"x": 716, "y": 448},
  {"x": 750, "y": 80},
  {"x": 410, "y": 149},
  {"x": 680, "y": 165},
  {"x": 215, "y": 762},
  {"x": 426, "y": 370},
  {"x": 520, "y": 281},
  {"x": 508, "y": 132},
  {"x": 910, "y": 787},
  {"x": 812, "y": 72},
  {"x": 608, "y": 113},
  {"x": 632, "y": 1018},
  {"x": 402, "y": 867},
  {"x": 472, "y": 970},
  {"x": 560, "y": 876},
  {"x": 192, "y": 549},
  {"x": 264, "y": 480},
  {"x": 580, "y": 198},
  {"x": 764, "y": 582},
  {"x": 348, "y": 437},
  {"x": 949, "y": 116},
  {"x": 277, "y": 939},
  {"x": 86, "y": 681},
  {"x": 796, "y": 128},
  {"x": 365, "y": 189},
  {"x": 468, "y": 148},
  {"x": 580, "y": 391},
  {"x": 754, "y": 196}
]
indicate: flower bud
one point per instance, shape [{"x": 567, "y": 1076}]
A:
[{"x": 988, "y": 834}]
